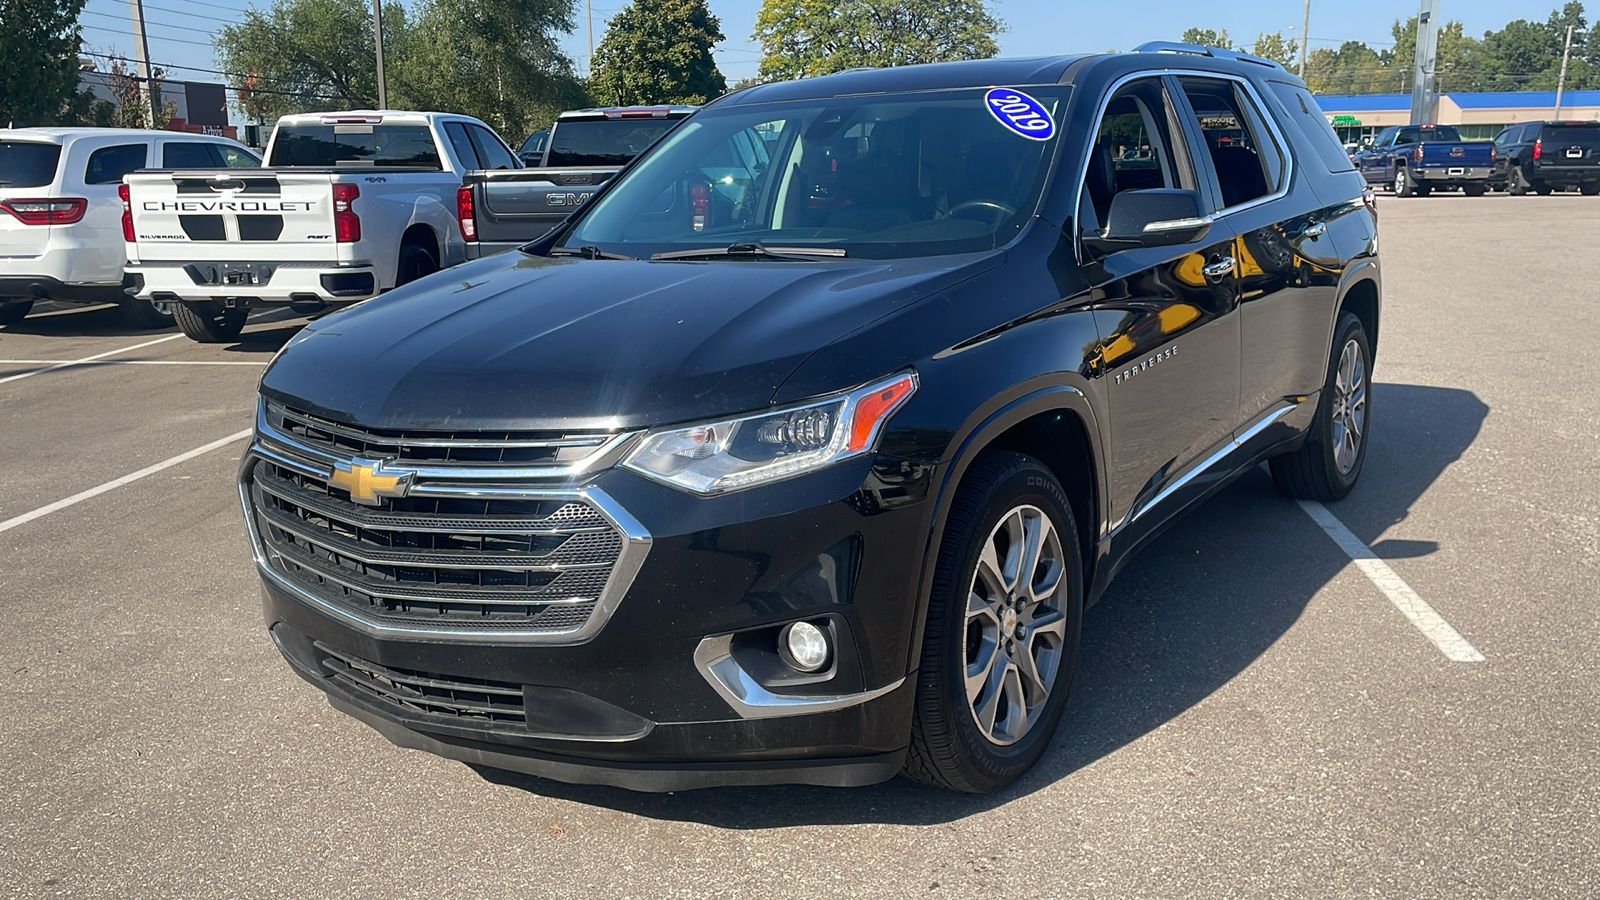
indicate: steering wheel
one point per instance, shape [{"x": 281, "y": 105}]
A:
[{"x": 991, "y": 206}]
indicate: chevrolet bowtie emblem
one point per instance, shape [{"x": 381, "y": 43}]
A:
[{"x": 368, "y": 482}]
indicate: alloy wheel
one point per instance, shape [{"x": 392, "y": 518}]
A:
[
  {"x": 1349, "y": 407},
  {"x": 1015, "y": 627}
]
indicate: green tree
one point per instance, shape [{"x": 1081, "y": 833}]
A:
[
  {"x": 305, "y": 55},
  {"x": 38, "y": 59},
  {"x": 497, "y": 60},
  {"x": 1272, "y": 45},
  {"x": 658, "y": 51},
  {"x": 815, "y": 37},
  {"x": 1205, "y": 37}
]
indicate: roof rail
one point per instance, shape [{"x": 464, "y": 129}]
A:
[{"x": 1198, "y": 50}]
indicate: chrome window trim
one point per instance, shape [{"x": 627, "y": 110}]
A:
[
  {"x": 1111, "y": 92},
  {"x": 635, "y": 547},
  {"x": 713, "y": 657}
]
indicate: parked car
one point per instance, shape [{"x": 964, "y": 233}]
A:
[
  {"x": 501, "y": 210},
  {"x": 1413, "y": 160},
  {"x": 532, "y": 150},
  {"x": 814, "y": 485},
  {"x": 59, "y": 237},
  {"x": 1544, "y": 156},
  {"x": 350, "y": 205}
]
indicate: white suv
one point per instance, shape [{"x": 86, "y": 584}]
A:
[{"x": 60, "y": 215}]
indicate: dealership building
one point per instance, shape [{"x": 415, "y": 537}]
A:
[{"x": 1478, "y": 116}]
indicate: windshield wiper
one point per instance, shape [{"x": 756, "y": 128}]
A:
[
  {"x": 589, "y": 251},
  {"x": 753, "y": 250}
]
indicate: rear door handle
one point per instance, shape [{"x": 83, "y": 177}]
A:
[
  {"x": 1317, "y": 229},
  {"x": 1219, "y": 268}
]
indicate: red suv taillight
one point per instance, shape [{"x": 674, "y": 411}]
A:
[
  {"x": 699, "y": 206},
  {"x": 1538, "y": 148},
  {"x": 127, "y": 213},
  {"x": 464, "y": 217},
  {"x": 56, "y": 211},
  {"x": 346, "y": 224}
]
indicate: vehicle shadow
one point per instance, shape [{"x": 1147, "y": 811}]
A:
[
  {"x": 80, "y": 321},
  {"x": 1193, "y": 611},
  {"x": 268, "y": 338}
]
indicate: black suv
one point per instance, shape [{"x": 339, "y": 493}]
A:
[
  {"x": 1544, "y": 156},
  {"x": 798, "y": 452}
]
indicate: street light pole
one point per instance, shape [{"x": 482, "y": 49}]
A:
[
  {"x": 1561, "y": 80},
  {"x": 377, "y": 40},
  {"x": 1305, "y": 36}
]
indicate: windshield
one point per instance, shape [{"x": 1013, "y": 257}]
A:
[
  {"x": 603, "y": 142},
  {"x": 1429, "y": 135},
  {"x": 27, "y": 163},
  {"x": 881, "y": 176},
  {"x": 354, "y": 145}
]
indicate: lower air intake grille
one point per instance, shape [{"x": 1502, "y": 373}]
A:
[{"x": 477, "y": 700}]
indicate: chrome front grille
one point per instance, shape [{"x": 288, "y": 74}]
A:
[{"x": 464, "y": 546}]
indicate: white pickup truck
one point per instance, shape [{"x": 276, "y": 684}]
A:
[{"x": 350, "y": 204}]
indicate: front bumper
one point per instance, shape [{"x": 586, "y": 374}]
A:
[
  {"x": 649, "y": 701},
  {"x": 287, "y": 283}
]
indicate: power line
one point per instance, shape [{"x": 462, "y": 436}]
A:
[
  {"x": 177, "y": 12},
  {"x": 166, "y": 66},
  {"x": 122, "y": 33},
  {"x": 90, "y": 12}
]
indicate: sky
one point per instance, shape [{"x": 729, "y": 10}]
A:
[{"x": 180, "y": 30}]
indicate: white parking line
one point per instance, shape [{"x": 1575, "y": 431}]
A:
[
  {"x": 115, "y": 483},
  {"x": 87, "y": 359},
  {"x": 134, "y": 362},
  {"x": 1413, "y": 607}
]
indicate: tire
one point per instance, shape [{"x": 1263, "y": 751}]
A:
[
  {"x": 1002, "y": 495},
  {"x": 416, "y": 261},
  {"x": 1589, "y": 188},
  {"x": 1474, "y": 190},
  {"x": 145, "y": 313},
  {"x": 1327, "y": 466},
  {"x": 208, "y": 321},
  {"x": 1404, "y": 186},
  {"x": 1516, "y": 183},
  {"x": 14, "y": 311}
]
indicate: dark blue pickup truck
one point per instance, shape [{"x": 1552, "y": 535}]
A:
[{"x": 1414, "y": 159}]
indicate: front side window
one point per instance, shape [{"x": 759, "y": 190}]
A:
[
  {"x": 881, "y": 176},
  {"x": 1247, "y": 160},
  {"x": 1133, "y": 150},
  {"x": 108, "y": 164},
  {"x": 355, "y": 145}
]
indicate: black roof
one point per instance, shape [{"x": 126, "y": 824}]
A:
[{"x": 927, "y": 77}]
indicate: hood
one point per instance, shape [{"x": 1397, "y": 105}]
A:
[{"x": 523, "y": 342}]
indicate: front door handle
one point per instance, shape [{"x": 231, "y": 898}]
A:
[
  {"x": 1219, "y": 268},
  {"x": 1317, "y": 229}
]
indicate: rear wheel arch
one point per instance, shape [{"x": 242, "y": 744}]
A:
[
  {"x": 1361, "y": 298},
  {"x": 420, "y": 234},
  {"x": 1056, "y": 425}
]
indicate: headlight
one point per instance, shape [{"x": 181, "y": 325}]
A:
[{"x": 736, "y": 453}]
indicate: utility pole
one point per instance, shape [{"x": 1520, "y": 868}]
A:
[
  {"x": 141, "y": 63},
  {"x": 377, "y": 41},
  {"x": 1561, "y": 80},
  {"x": 1305, "y": 37},
  {"x": 588, "y": 15},
  {"x": 1422, "y": 90}
]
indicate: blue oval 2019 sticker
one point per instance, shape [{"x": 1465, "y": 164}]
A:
[{"x": 1020, "y": 113}]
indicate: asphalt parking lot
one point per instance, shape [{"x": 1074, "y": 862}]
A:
[{"x": 1253, "y": 714}]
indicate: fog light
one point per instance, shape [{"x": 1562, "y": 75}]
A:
[{"x": 804, "y": 646}]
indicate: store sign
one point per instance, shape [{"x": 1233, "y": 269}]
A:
[{"x": 1349, "y": 121}]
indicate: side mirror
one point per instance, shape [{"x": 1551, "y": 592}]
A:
[
  {"x": 1157, "y": 217},
  {"x": 531, "y": 160}
]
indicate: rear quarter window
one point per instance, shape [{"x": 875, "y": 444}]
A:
[
  {"x": 1302, "y": 110},
  {"x": 1575, "y": 134},
  {"x": 26, "y": 164},
  {"x": 108, "y": 164}
]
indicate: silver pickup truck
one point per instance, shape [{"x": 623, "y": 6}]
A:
[{"x": 500, "y": 210}]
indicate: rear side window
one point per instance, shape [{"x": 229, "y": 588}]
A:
[
  {"x": 26, "y": 164},
  {"x": 187, "y": 155},
  {"x": 1304, "y": 113},
  {"x": 355, "y": 145},
  {"x": 1248, "y": 162},
  {"x": 491, "y": 150},
  {"x": 108, "y": 164},
  {"x": 457, "y": 133}
]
